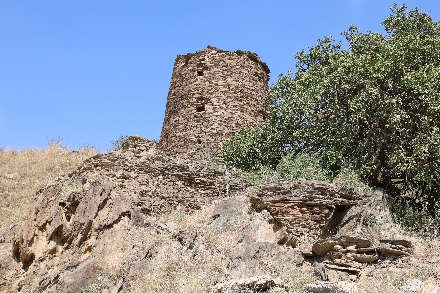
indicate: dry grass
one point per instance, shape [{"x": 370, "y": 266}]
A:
[
  {"x": 176, "y": 268},
  {"x": 198, "y": 267},
  {"x": 23, "y": 173}
]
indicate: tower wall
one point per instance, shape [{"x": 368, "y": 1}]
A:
[{"x": 213, "y": 93}]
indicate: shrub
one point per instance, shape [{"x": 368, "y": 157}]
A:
[
  {"x": 249, "y": 149},
  {"x": 117, "y": 144},
  {"x": 373, "y": 106},
  {"x": 303, "y": 165}
]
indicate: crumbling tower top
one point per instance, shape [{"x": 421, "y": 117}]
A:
[{"x": 213, "y": 93}]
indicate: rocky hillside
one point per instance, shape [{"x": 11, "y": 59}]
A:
[{"x": 135, "y": 220}]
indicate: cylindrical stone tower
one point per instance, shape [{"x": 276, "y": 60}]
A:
[{"x": 213, "y": 93}]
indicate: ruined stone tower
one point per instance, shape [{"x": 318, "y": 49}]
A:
[{"x": 213, "y": 93}]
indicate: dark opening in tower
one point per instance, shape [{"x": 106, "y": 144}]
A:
[
  {"x": 200, "y": 103},
  {"x": 200, "y": 108}
]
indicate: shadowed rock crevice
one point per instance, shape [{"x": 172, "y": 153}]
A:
[{"x": 335, "y": 221}]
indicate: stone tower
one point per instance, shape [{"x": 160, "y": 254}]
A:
[{"x": 213, "y": 93}]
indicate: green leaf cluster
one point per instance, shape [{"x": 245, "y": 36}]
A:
[
  {"x": 117, "y": 144},
  {"x": 373, "y": 106}
]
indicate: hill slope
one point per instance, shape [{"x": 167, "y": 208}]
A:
[{"x": 135, "y": 220}]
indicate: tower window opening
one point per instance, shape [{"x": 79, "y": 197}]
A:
[
  {"x": 199, "y": 72},
  {"x": 200, "y": 108}
]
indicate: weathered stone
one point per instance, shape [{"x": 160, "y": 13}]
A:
[
  {"x": 386, "y": 249},
  {"x": 346, "y": 262},
  {"x": 251, "y": 285},
  {"x": 402, "y": 242},
  {"x": 357, "y": 241},
  {"x": 213, "y": 93},
  {"x": 322, "y": 247},
  {"x": 306, "y": 208},
  {"x": 364, "y": 257},
  {"x": 366, "y": 250},
  {"x": 333, "y": 287},
  {"x": 348, "y": 269}
]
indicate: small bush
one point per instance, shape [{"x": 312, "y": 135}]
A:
[
  {"x": 117, "y": 144},
  {"x": 349, "y": 179},
  {"x": 261, "y": 175},
  {"x": 55, "y": 141},
  {"x": 302, "y": 165},
  {"x": 419, "y": 214},
  {"x": 248, "y": 149},
  {"x": 291, "y": 167}
]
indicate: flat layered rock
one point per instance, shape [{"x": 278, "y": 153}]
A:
[
  {"x": 308, "y": 208},
  {"x": 324, "y": 246},
  {"x": 331, "y": 287},
  {"x": 250, "y": 285}
]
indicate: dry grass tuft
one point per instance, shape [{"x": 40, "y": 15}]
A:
[{"x": 23, "y": 173}]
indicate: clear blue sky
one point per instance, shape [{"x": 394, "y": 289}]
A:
[{"x": 89, "y": 71}]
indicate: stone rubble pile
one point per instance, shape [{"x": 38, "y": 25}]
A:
[
  {"x": 308, "y": 208},
  {"x": 347, "y": 255},
  {"x": 260, "y": 284},
  {"x": 312, "y": 212}
]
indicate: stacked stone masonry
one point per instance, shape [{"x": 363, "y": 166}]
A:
[
  {"x": 309, "y": 208},
  {"x": 346, "y": 256},
  {"x": 213, "y": 93}
]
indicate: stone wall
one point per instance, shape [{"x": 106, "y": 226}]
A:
[
  {"x": 213, "y": 93},
  {"x": 307, "y": 209}
]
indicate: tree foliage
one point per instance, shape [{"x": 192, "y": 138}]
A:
[{"x": 374, "y": 105}]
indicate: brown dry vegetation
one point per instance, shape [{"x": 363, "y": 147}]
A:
[
  {"x": 201, "y": 264},
  {"x": 23, "y": 173}
]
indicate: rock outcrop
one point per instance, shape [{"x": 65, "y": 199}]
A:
[
  {"x": 73, "y": 211},
  {"x": 102, "y": 206},
  {"x": 307, "y": 209},
  {"x": 346, "y": 256},
  {"x": 308, "y": 213}
]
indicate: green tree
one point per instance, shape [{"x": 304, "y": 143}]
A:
[{"x": 374, "y": 106}]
